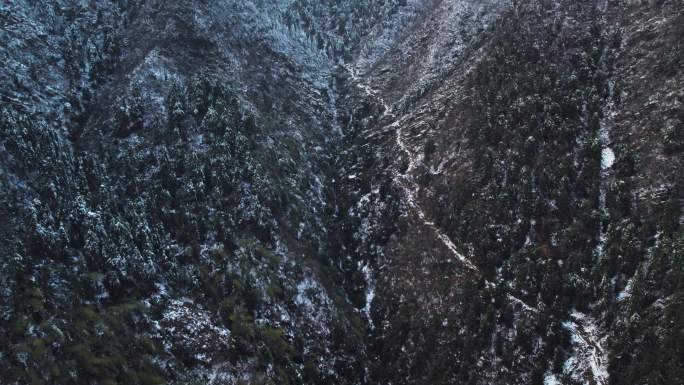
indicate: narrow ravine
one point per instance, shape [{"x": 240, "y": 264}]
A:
[
  {"x": 607, "y": 154},
  {"x": 590, "y": 359}
]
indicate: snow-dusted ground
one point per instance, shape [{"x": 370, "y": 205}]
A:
[
  {"x": 404, "y": 180},
  {"x": 590, "y": 358}
]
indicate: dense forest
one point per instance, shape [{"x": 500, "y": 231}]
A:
[{"x": 342, "y": 192}]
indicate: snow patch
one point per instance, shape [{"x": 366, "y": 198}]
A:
[
  {"x": 370, "y": 294},
  {"x": 607, "y": 158},
  {"x": 550, "y": 379},
  {"x": 627, "y": 291}
]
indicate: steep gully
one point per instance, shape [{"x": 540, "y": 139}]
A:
[{"x": 585, "y": 334}]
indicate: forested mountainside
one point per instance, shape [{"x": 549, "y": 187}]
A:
[{"x": 342, "y": 192}]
